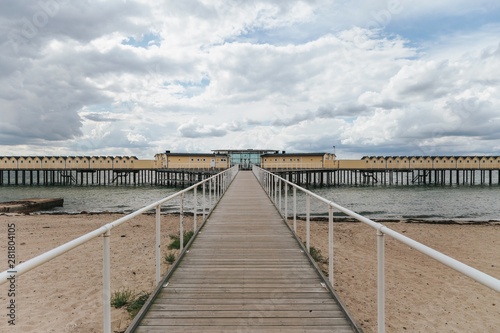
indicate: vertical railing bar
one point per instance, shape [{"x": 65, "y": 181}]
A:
[
  {"x": 294, "y": 209},
  {"x": 270, "y": 191},
  {"x": 286, "y": 203},
  {"x": 380, "y": 282},
  {"x": 275, "y": 189},
  {"x": 204, "y": 201},
  {"x": 181, "y": 223},
  {"x": 106, "y": 282},
  {"x": 210, "y": 193},
  {"x": 330, "y": 244},
  {"x": 279, "y": 196},
  {"x": 158, "y": 244},
  {"x": 308, "y": 222},
  {"x": 195, "y": 209}
]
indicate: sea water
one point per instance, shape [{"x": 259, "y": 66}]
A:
[{"x": 426, "y": 202}]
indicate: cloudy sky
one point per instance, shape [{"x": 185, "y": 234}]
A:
[{"x": 370, "y": 77}]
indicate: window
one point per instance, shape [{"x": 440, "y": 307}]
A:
[{"x": 204, "y": 160}]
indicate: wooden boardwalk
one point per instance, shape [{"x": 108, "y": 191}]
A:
[{"x": 245, "y": 272}]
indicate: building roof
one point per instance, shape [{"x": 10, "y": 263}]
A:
[
  {"x": 294, "y": 154},
  {"x": 195, "y": 154},
  {"x": 247, "y": 151}
]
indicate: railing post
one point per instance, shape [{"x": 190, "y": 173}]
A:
[
  {"x": 219, "y": 187},
  {"x": 330, "y": 244},
  {"x": 308, "y": 222},
  {"x": 195, "y": 209},
  {"x": 181, "y": 223},
  {"x": 270, "y": 187},
  {"x": 275, "y": 188},
  {"x": 158, "y": 244},
  {"x": 106, "y": 283},
  {"x": 286, "y": 203},
  {"x": 210, "y": 193},
  {"x": 204, "y": 201},
  {"x": 294, "y": 209},
  {"x": 279, "y": 195},
  {"x": 380, "y": 282}
]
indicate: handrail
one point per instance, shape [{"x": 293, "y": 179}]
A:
[
  {"x": 273, "y": 183},
  {"x": 217, "y": 185}
]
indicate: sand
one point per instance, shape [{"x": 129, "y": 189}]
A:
[{"x": 422, "y": 295}]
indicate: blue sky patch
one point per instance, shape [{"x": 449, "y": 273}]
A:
[{"x": 145, "y": 41}]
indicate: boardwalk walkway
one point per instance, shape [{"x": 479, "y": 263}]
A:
[{"x": 245, "y": 272}]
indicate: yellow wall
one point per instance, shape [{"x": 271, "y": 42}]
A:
[
  {"x": 144, "y": 164},
  {"x": 289, "y": 161},
  {"x": 192, "y": 161}
]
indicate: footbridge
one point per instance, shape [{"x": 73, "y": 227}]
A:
[{"x": 244, "y": 272}]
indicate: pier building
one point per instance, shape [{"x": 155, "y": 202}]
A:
[{"x": 318, "y": 168}]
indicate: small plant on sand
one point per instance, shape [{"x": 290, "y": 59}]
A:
[
  {"x": 130, "y": 301},
  {"x": 170, "y": 258},
  {"x": 316, "y": 255},
  {"x": 134, "y": 306},
  {"x": 176, "y": 242},
  {"x": 121, "y": 298}
]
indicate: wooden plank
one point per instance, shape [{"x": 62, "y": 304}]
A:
[
  {"x": 255, "y": 306},
  {"x": 245, "y": 321},
  {"x": 292, "y": 303},
  {"x": 257, "y": 313},
  {"x": 246, "y": 329}
]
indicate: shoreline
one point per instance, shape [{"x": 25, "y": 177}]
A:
[{"x": 313, "y": 218}]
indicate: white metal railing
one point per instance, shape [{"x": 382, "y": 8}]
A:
[
  {"x": 216, "y": 184},
  {"x": 273, "y": 185}
]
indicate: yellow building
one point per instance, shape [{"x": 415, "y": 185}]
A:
[
  {"x": 194, "y": 161},
  {"x": 298, "y": 161},
  {"x": 268, "y": 160}
]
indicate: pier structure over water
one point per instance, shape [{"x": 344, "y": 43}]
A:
[{"x": 171, "y": 169}]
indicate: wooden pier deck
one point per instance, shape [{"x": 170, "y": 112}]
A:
[{"x": 245, "y": 272}]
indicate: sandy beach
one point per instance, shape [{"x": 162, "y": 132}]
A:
[{"x": 422, "y": 295}]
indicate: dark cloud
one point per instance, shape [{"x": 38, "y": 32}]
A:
[{"x": 100, "y": 118}]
